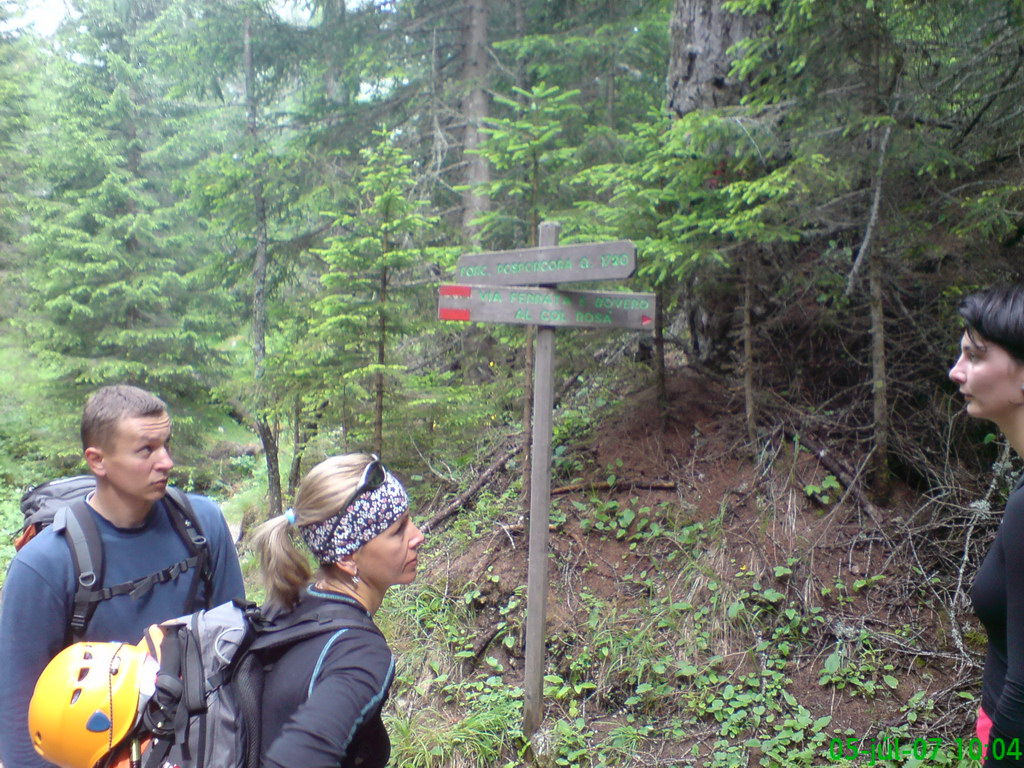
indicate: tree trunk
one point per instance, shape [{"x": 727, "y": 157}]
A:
[
  {"x": 474, "y": 110},
  {"x": 306, "y": 427},
  {"x": 702, "y": 32},
  {"x": 333, "y": 23},
  {"x": 610, "y": 91},
  {"x": 659, "y": 352},
  {"x": 382, "y": 330},
  {"x": 298, "y": 444},
  {"x": 266, "y": 430},
  {"x": 519, "y": 13},
  {"x": 748, "y": 350},
  {"x": 879, "y": 377}
]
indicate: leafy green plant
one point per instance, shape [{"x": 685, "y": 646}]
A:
[
  {"x": 10, "y": 523},
  {"x": 858, "y": 668},
  {"x": 826, "y": 491}
]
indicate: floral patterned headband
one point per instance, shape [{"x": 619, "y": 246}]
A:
[{"x": 365, "y": 517}]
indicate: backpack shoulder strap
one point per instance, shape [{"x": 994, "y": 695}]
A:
[
  {"x": 185, "y": 521},
  {"x": 300, "y": 625},
  {"x": 75, "y": 522}
]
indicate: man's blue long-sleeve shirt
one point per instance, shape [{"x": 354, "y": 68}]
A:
[{"x": 37, "y": 599}]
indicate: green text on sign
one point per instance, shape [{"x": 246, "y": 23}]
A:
[
  {"x": 546, "y": 306},
  {"x": 549, "y": 265}
]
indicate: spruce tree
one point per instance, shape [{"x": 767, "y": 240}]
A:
[
  {"x": 366, "y": 304},
  {"x": 118, "y": 286}
]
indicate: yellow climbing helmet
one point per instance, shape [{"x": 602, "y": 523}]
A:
[{"x": 87, "y": 700}]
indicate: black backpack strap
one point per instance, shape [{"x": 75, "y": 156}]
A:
[
  {"x": 162, "y": 716},
  {"x": 186, "y": 523},
  {"x": 79, "y": 529},
  {"x": 75, "y": 522},
  {"x": 180, "y": 693},
  {"x": 299, "y": 625}
]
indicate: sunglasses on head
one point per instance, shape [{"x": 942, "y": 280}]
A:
[{"x": 373, "y": 477}]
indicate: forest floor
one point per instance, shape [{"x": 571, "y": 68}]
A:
[{"x": 794, "y": 612}]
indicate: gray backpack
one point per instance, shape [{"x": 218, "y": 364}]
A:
[{"x": 206, "y": 709}]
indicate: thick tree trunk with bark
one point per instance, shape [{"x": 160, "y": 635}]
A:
[
  {"x": 378, "y": 379},
  {"x": 698, "y": 78},
  {"x": 698, "y": 69},
  {"x": 474, "y": 109},
  {"x": 333, "y": 14}
]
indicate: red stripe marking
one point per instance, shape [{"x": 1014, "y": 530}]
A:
[
  {"x": 453, "y": 314},
  {"x": 456, "y": 290}
]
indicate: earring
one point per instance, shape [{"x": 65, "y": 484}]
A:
[{"x": 355, "y": 577}]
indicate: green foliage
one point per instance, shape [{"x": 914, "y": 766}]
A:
[
  {"x": 37, "y": 440},
  {"x": 365, "y": 305},
  {"x": 615, "y": 52},
  {"x": 531, "y": 156},
  {"x": 134, "y": 185},
  {"x": 116, "y": 282},
  {"x": 15, "y": 63},
  {"x": 472, "y": 719},
  {"x": 858, "y": 668},
  {"x": 11, "y": 521},
  {"x": 826, "y": 491}
]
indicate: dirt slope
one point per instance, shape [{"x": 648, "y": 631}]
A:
[{"x": 743, "y": 536}]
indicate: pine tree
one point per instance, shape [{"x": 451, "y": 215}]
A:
[
  {"x": 14, "y": 60},
  {"x": 366, "y": 305},
  {"x": 118, "y": 286}
]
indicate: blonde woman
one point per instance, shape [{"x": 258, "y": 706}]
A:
[{"x": 322, "y": 697}]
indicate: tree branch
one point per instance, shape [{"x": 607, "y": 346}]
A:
[{"x": 876, "y": 203}]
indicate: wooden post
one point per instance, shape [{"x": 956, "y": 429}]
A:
[
  {"x": 540, "y": 503},
  {"x": 493, "y": 289}
]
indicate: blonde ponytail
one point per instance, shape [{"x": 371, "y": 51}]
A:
[
  {"x": 321, "y": 494},
  {"x": 284, "y": 568}
]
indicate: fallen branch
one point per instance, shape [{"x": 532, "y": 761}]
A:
[
  {"x": 843, "y": 475},
  {"x": 482, "y": 644},
  {"x": 460, "y": 500}
]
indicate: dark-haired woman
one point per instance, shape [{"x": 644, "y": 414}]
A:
[
  {"x": 990, "y": 376},
  {"x": 323, "y": 697}
]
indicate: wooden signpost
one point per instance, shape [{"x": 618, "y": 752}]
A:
[{"x": 484, "y": 295}]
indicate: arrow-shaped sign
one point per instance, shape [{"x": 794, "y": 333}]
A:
[
  {"x": 545, "y": 306},
  {"x": 549, "y": 265}
]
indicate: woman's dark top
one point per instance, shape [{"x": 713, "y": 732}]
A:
[
  {"x": 998, "y": 597},
  {"x": 322, "y": 697}
]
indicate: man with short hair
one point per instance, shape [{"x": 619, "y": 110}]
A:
[{"x": 126, "y": 434}]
